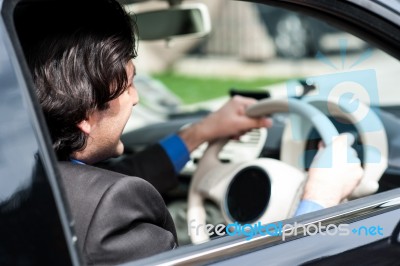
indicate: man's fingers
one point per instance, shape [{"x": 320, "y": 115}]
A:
[
  {"x": 259, "y": 122},
  {"x": 337, "y": 153},
  {"x": 321, "y": 145},
  {"x": 345, "y": 138},
  {"x": 352, "y": 156},
  {"x": 265, "y": 122},
  {"x": 350, "y": 139},
  {"x": 248, "y": 123},
  {"x": 247, "y": 101}
]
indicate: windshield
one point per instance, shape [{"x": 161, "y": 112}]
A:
[{"x": 261, "y": 53}]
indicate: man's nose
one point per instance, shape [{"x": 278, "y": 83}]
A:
[{"x": 135, "y": 98}]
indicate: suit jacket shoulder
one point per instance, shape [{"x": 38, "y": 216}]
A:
[{"x": 117, "y": 218}]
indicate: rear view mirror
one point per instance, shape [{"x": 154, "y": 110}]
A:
[{"x": 190, "y": 21}]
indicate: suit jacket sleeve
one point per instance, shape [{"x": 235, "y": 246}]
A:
[
  {"x": 151, "y": 164},
  {"x": 130, "y": 222}
]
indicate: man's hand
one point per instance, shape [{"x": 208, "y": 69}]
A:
[
  {"x": 334, "y": 174},
  {"x": 229, "y": 121}
]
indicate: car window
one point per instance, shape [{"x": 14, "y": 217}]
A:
[
  {"x": 268, "y": 52},
  {"x": 30, "y": 221}
]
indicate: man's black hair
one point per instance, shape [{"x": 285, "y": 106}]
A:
[{"x": 77, "y": 52}]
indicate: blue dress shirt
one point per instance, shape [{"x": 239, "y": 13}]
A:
[
  {"x": 176, "y": 151},
  {"x": 307, "y": 206}
]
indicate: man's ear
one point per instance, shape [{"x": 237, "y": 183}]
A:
[{"x": 84, "y": 126}]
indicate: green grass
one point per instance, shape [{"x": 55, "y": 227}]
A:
[{"x": 195, "y": 89}]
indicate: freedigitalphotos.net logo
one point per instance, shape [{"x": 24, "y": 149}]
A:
[
  {"x": 347, "y": 88},
  {"x": 284, "y": 230}
]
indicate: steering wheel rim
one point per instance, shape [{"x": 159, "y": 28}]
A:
[
  {"x": 374, "y": 140},
  {"x": 196, "y": 211}
]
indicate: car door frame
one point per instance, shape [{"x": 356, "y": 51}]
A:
[{"x": 17, "y": 66}]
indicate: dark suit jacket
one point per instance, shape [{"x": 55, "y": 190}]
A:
[
  {"x": 117, "y": 217},
  {"x": 151, "y": 164}
]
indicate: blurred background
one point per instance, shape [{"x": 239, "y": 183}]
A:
[{"x": 251, "y": 47}]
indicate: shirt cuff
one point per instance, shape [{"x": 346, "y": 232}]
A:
[
  {"x": 307, "y": 206},
  {"x": 176, "y": 150},
  {"x": 77, "y": 161}
]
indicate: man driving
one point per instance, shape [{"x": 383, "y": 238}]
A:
[{"x": 84, "y": 77}]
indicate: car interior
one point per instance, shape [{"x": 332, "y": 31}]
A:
[
  {"x": 291, "y": 137},
  {"x": 343, "y": 85}
]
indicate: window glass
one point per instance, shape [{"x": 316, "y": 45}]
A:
[
  {"x": 30, "y": 227},
  {"x": 262, "y": 51}
]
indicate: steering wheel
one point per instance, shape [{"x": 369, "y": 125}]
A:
[
  {"x": 279, "y": 185},
  {"x": 369, "y": 128}
]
